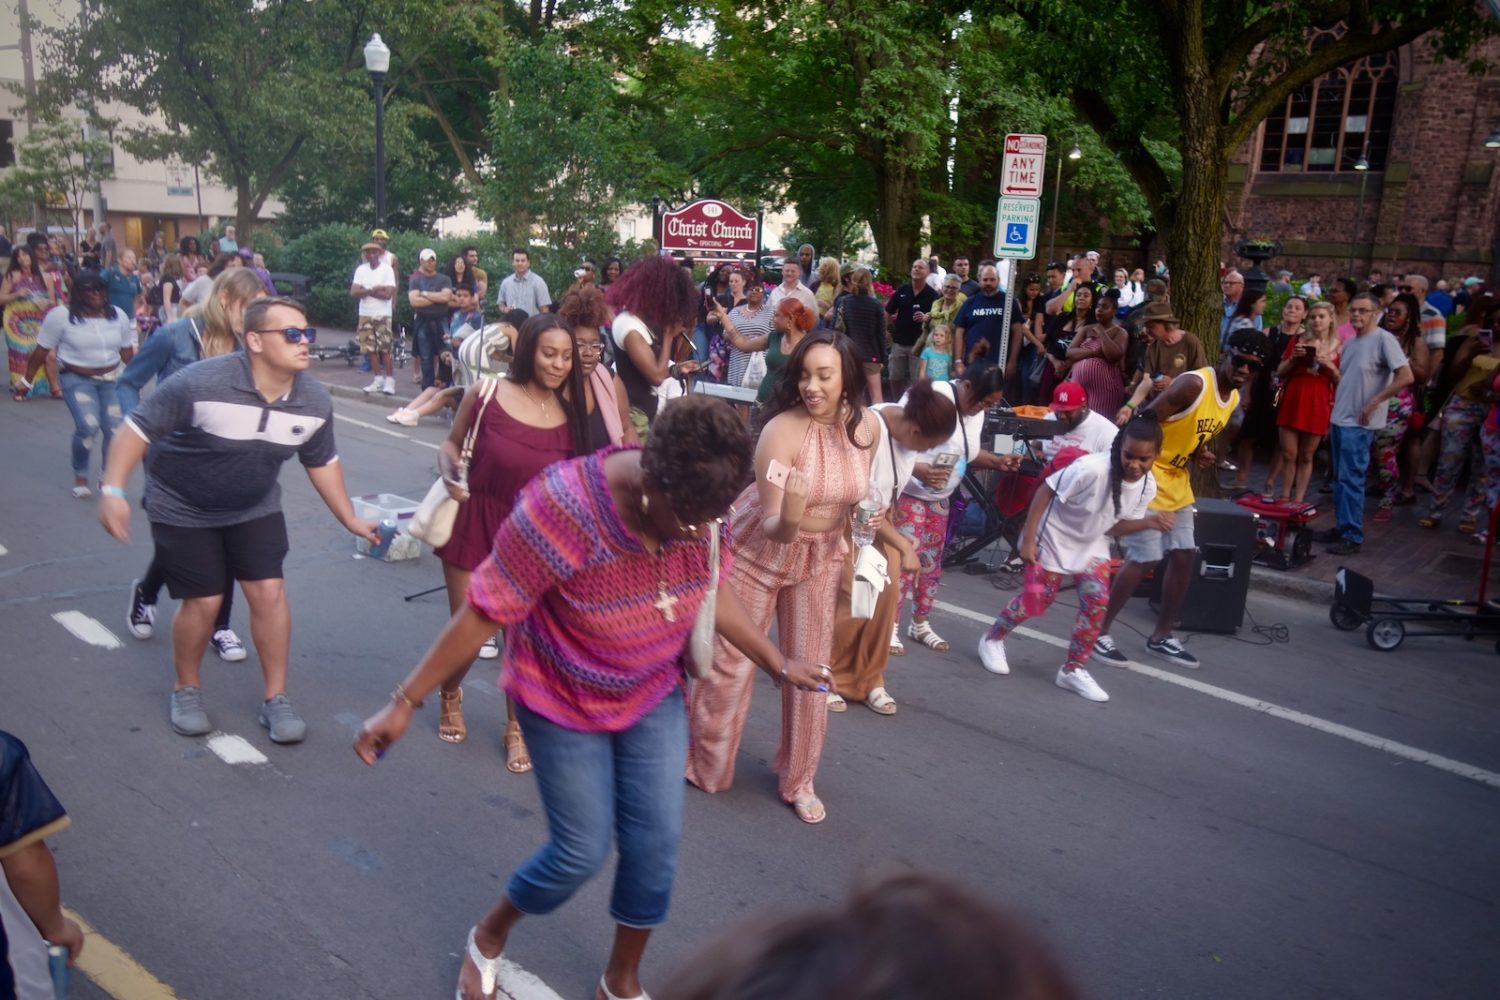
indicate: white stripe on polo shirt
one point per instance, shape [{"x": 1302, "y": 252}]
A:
[{"x": 241, "y": 422}]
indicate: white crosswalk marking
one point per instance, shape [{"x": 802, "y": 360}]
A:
[
  {"x": 232, "y": 749},
  {"x": 1402, "y": 750},
  {"x": 87, "y": 629}
]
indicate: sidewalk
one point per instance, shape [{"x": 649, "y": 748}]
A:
[{"x": 1399, "y": 556}]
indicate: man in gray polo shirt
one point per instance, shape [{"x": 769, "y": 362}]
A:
[
  {"x": 525, "y": 289},
  {"x": 1372, "y": 369},
  {"x": 214, "y": 437}
]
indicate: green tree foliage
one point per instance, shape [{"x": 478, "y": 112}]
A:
[
  {"x": 57, "y": 165},
  {"x": 567, "y": 151}
]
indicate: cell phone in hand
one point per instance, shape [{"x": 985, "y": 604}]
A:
[
  {"x": 946, "y": 460},
  {"x": 777, "y": 472}
]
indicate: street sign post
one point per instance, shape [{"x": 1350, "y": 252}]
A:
[
  {"x": 1023, "y": 165},
  {"x": 1017, "y": 222}
]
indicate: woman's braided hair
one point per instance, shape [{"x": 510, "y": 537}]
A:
[{"x": 1144, "y": 425}]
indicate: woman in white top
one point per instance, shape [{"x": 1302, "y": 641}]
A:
[
  {"x": 923, "y": 419},
  {"x": 1072, "y": 515},
  {"x": 91, "y": 339}
]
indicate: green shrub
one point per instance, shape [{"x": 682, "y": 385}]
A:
[{"x": 329, "y": 254}]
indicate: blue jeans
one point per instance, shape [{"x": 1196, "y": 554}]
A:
[
  {"x": 95, "y": 408},
  {"x": 427, "y": 333},
  {"x": 700, "y": 342},
  {"x": 598, "y": 787},
  {"x": 1351, "y": 460}
]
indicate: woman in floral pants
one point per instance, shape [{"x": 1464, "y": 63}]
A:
[{"x": 1402, "y": 318}]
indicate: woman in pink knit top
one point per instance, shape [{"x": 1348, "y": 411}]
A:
[{"x": 597, "y": 575}]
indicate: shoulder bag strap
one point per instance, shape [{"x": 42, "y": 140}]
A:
[{"x": 487, "y": 389}]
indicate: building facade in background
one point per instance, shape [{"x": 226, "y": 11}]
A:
[
  {"x": 143, "y": 197},
  {"x": 1428, "y": 198}
]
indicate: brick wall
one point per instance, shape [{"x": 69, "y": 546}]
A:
[{"x": 1434, "y": 209}]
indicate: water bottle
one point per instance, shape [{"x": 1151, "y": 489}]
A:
[
  {"x": 1033, "y": 592},
  {"x": 387, "y": 533},
  {"x": 865, "y": 513},
  {"x": 57, "y": 965}
]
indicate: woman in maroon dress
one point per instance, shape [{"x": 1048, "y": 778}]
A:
[
  {"x": 1309, "y": 373},
  {"x": 525, "y": 425},
  {"x": 1095, "y": 356}
]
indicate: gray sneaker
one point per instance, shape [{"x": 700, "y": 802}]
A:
[
  {"x": 282, "y": 720},
  {"x": 188, "y": 716}
]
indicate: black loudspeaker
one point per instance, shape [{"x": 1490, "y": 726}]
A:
[{"x": 1226, "y": 537}]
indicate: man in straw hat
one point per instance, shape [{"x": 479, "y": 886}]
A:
[{"x": 1171, "y": 352}]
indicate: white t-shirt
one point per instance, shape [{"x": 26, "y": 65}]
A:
[
  {"x": 379, "y": 276},
  {"x": 892, "y": 463},
  {"x": 965, "y": 442},
  {"x": 194, "y": 291},
  {"x": 1095, "y": 434},
  {"x": 800, "y": 293},
  {"x": 89, "y": 343},
  {"x": 624, "y": 323},
  {"x": 1072, "y": 535}
]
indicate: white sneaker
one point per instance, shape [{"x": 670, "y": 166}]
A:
[
  {"x": 228, "y": 646},
  {"x": 992, "y": 655},
  {"x": 390, "y": 418},
  {"x": 406, "y": 418},
  {"x": 390, "y": 385},
  {"x": 1081, "y": 682},
  {"x": 490, "y": 649},
  {"x": 376, "y": 386}
]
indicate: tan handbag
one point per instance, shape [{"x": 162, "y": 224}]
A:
[{"x": 433, "y": 521}]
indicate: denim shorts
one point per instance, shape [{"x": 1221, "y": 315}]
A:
[{"x": 1150, "y": 545}]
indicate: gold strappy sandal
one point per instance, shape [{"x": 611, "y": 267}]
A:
[
  {"x": 517, "y": 761},
  {"x": 451, "y": 728}
]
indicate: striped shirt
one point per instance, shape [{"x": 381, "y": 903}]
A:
[
  {"x": 585, "y": 644},
  {"x": 217, "y": 446}
]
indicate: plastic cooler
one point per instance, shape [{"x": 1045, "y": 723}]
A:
[{"x": 384, "y": 508}]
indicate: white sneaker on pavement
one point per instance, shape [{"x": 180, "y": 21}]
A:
[
  {"x": 1081, "y": 682},
  {"x": 490, "y": 649},
  {"x": 992, "y": 655},
  {"x": 406, "y": 418},
  {"x": 228, "y": 646},
  {"x": 376, "y": 386},
  {"x": 390, "y": 385}
]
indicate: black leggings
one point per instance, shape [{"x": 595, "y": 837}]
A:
[{"x": 152, "y": 583}]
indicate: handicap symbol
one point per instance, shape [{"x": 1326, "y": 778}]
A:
[{"x": 1015, "y": 233}]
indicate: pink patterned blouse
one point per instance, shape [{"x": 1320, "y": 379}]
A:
[{"x": 585, "y": 644}]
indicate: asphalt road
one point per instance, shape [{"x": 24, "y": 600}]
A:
[{"x": 1168, "y": 844}]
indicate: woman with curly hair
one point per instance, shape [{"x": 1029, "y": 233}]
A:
[
  {"x": 790, "y": 529},
  {"x": 597, "y": 683},
  {"x": 605, "y": 399},
  {"x": 1403, "y": 317},
  {"x": 655, "y": 303},
  {"x": 790, "y": 323}
]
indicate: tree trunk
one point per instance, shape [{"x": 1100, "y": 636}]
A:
[
  {"x": 896, "y": 224},
  {"x": 244, "y": 208},
  {"x": 1197, "y": 221}
]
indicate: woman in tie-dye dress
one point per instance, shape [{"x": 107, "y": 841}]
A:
[{"x": 25, "y": 297}]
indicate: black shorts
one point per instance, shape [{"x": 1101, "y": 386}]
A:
[{"x": 195, "y": 562}]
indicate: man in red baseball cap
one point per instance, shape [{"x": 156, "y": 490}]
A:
[{"x": 1085, "y": 429}]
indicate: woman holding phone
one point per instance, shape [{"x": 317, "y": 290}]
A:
[
  {"x": 790, "y": 529},
  {"x": 1309, "y": 373}
]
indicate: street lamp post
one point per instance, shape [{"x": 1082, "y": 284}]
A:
[
  {"x": 377, "y": 61},
  {"x": 1363, "y": 166},
  {"x": 1073, "y": 154}
]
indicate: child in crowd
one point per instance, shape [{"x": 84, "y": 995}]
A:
[
  {"x": 936, "y": 359},
  {"x": 1072, "y": 515}
]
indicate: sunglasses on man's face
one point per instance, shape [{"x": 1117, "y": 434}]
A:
[
  {"x": 1246, "y": 362},
  {"x": 294, "y": 334}
]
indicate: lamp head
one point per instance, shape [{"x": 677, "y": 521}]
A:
[
  {"x": 377, "y": 55},
  {"x": 1075, "y": 153},
  {"x": 1361, "y": 164}
]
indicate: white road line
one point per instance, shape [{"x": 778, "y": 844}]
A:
[
  {"x": 4, "y": 551},
  {"x": 86, "y": 628},
  {"x": 387, "y": 431},
  {"x": 1402, "y": 750},
  {"x": 232, "y": 749},
  {"x": 518, "y": 984}
]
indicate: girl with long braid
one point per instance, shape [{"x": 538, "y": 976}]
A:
[{"x": 1080, "y": 505}]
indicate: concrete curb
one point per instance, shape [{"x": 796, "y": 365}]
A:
[
  {"x": 373, "y": 398},
  {"x": 1265, "y": 580}
]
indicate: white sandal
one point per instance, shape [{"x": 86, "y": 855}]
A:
[
  {"x": 922, "y": 632},
  {"x": 897, "y": 649},
  {"x": 489, "y": 970},
  {"x": 880, "y": 702},
  {"x": 836, "y": 703},
  {"x": 605, "y": 994}
]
